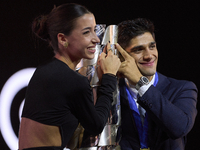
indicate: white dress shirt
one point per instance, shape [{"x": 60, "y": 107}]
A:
[{"x": 141, "y": 92}]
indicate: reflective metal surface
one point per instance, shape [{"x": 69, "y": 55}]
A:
[
  {"x": 108, "y": 138},
  {"x": 111, "y": 35}
]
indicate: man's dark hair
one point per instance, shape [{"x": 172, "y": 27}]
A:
[{"x": 131, "y": 28}]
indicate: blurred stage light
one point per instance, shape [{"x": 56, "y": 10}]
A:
[{"x": 13, "y": 85}]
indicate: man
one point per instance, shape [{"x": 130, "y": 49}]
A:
[{"x": 157, "y": 111}]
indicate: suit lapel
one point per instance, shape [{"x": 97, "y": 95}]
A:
[
  {"x": 163, "y": 83},
  {"x": 123, "y": 96}
]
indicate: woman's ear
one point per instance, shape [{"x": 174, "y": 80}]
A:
[{"x": 62, "y": 40}]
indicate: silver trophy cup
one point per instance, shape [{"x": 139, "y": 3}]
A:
[
  {"x": 111, "y": 35},
  {"x": 108, "y": 138}
]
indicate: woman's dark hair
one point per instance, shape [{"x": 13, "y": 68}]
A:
[
  {"x": 60, "y": 20},
  {"x": 131, "y": 28}
]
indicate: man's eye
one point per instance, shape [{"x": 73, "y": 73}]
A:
[
  {"x": 152, "y": 46},
  {"x": 137, "y": 50}
]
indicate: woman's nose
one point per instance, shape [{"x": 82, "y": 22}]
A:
[{"x": 95, "y": 39}]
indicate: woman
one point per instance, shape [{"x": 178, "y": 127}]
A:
[{"x": 58, "y": 98}]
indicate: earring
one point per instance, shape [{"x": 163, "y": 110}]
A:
[{"x": 66, "y": 44}]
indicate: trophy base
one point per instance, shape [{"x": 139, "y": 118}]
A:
[{"x": 102, "y": 148}]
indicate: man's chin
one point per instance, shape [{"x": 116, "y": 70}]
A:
[{"x": 148, "y": 73}]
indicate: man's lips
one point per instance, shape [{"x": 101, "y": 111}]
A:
[{"x": 147, "y": 63}]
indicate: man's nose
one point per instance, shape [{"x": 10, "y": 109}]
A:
[{"x": 147, "y": 54}]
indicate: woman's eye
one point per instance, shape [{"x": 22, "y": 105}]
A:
[{"x": 86, "y": 32}]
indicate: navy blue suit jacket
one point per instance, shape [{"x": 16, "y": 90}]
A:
[{"x": 171, "y": 108}]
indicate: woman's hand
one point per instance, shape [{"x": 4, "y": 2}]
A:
[{"x": 109, "y": 63}]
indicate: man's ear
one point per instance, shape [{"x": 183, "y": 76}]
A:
[{"x": 62, "y": 39}]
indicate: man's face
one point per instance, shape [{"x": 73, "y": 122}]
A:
[{"x": 143, "y": 49}]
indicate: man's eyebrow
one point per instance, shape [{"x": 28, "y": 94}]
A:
[
  {"x": 137, "y": 47},
  {"x": 152, "y": 43},
  {"x": 141, "y": 46}
]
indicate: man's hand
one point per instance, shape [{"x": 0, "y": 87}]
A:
[{"x": 128, "y": 68}]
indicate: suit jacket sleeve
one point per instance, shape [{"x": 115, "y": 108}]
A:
[{"x": 172, "y": 108}]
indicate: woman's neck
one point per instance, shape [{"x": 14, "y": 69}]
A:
[{"x": 67, "y": 60}]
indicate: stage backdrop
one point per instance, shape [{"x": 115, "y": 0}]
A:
[{"x": 177, "y": 34}]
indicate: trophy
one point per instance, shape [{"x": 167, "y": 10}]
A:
[
  {"x": 111, "y": 35},
  {"x": 108, "y": 138}
]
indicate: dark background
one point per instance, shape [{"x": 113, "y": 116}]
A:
[{"x": 177, "y": 34}]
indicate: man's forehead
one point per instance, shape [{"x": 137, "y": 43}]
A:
[{"x": 142, "y": 40}]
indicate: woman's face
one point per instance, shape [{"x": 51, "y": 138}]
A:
[{"x": 83, "y": 39}]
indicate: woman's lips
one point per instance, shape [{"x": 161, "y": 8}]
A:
[{"x": 92, "y": 49}]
